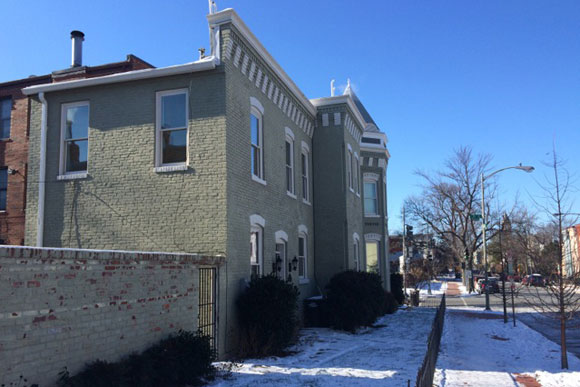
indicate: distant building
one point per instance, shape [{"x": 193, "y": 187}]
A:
[
  {"x": 15, "y": 129},
  {"x": 571, "y": 251}
]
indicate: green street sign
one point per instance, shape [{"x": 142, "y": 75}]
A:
[{"x": 475, "y": 216}]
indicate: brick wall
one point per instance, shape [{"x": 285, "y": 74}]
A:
[{"x": 64, "y": 307}]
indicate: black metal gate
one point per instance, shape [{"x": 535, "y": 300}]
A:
[{"x": 207, "y": 317}]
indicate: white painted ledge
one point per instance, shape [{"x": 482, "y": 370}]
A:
[
  {"x": 72, "y": 176},
  {"x": 171, "y": 168}
]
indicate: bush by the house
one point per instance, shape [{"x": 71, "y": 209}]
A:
[
  {"x": 391, "y": 305},
  {"x": 267, "y": 312},
  {"x": 354, "y": 299},
  {"x": 397, "y": 287},
  {"x": 181, "y": 360}
]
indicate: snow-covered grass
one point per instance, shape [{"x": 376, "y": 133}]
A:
[
  {"x": 389, "y": 354},
  {"x": 478, "y": 349},
  {"x": 437, "y": 288}
]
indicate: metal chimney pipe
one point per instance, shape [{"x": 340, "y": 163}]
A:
[{"x": 77, "y": 38}]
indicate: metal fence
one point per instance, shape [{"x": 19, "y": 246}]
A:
[
  {"x": 207, "y": 304},
  {"x": 427, "y": 370}
]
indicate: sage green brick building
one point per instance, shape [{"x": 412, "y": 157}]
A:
[{"x": 221, "y": 156}]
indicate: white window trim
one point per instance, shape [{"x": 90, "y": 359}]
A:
[
  {"x": 356, "y": 172},
  {"x": 349, "y": 176},
  {"x": 257, "y": 224},
  {"x": 306, "y": 152},
  {"x": 158, "y": 139},
  {"x": 289, "y": 138},
  {"x": 281, "y": 236},
  {"x": 62, "y": 161},
  {"x": 257, "y": 110},
  {"x": 376, "y": 213},
  {"x": 303, "y": 233},
  {"x": 356, "y": 245}
]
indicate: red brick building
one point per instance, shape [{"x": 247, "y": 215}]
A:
[{"x": 14, "y": 130}]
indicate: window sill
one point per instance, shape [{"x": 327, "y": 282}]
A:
[
  {"x": 291, "y": 194},
  {"x": 171, "y": 168},
  {"x": 259, "y": 180},
  {"x": 372, "y": 216},
  {"x": 303, "y": 281},
  {"x": 73, "y": 176},
  {"x": 306, "y": 202}
]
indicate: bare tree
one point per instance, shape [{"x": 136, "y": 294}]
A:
[
  {"x": 562, "y": 286},
  {"x": 450, "y": 200}
]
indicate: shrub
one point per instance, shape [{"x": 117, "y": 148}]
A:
[
  {"x": 354, "y": 299},
  {"x": 180, "y": 360},
  {"x": 397, "y": 287},
  {"x": 267, "y": 312},
  {"x": 391, "y": 305}
]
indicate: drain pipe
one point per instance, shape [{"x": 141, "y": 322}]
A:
[{"x": 42, "y": 175}]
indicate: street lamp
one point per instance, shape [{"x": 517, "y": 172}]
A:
[{"x": 525, "y": 168}]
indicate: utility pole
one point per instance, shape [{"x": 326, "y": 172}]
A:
[{"x": 404, "y": 256}]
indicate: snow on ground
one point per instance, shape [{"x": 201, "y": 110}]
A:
[
  {"x": 387, "y": 355},
  {"x": 437, "y": 288},
  {"x": 478, "y": 349}
]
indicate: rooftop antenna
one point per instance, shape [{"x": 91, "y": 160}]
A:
[{"x": 332, "y": 88}]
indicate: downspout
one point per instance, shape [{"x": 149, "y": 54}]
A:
[{"x": 42, "y": 175}]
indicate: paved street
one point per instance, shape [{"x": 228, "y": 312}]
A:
[{"x": 525, "y": 299}]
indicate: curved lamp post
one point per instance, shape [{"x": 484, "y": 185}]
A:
[{"x": 525, "y": 168}]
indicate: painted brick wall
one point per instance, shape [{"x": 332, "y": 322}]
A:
[{"x": 63, "y": 307}]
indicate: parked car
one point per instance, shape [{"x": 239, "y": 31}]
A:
[
  {"x": 515, "y": 278},
  {"x": 533, "y": 280},
  {"x": 493, "y": 285}
]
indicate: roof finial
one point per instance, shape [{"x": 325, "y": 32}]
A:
[
  {"x": 332, "y": 88},
  {"x": 212, "y": 7},
  {"x": 347, "y": 90}
]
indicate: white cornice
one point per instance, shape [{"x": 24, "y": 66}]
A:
[
  {"x": 207, "y": 63},
  {"x": 329, "y": 101},
  {"x": 230, "y": 16}
]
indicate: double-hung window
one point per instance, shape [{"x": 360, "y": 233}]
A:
[
  {"x": 256, "y": 250},
  {"x": 370, "y": 198},
  {"x": 3, "y": 187},
  {"x": 257, "y": 148},
  {"x": 356, "y": 171},
  {"x": 75, "y": 138},
  {"x": 349, "y": 169},
  {"x": 172, "y": 123},
  {"x": 289, "y": 146},
  {"x": 302, "y": 256},
  {"x": 5, "y": 110},
  {"x": 305, "y": 185},
  {"x": 356, "y": 254}
]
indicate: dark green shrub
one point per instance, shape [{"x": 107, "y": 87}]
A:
[
  {"x": 391, "y": 305},
  {"x": 267, "y": 313},
  {"x": 181, "y": 360},
  {"x": 397, "y": 287},
  {"x": 354, "y": 299}
]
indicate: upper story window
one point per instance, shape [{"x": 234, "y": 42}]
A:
[
  {"x": 5, "y": 110},
  {"x": 305, "y": 163},
  {"x": 3, "y": 187},
  {"x": 356, "y": 172},
  {"x": 75, "y": 138},
  {"x": 257, "y": 151},
  {"x": 370, "y": 197},
  {"x": 289, "y": 162},
  {"x": 172, "y": 123},
  {"x": 349, "y": 168},
  {"x": 356, "y": 252}
]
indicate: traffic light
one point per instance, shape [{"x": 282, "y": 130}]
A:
[{"x": 409, "y": 230}]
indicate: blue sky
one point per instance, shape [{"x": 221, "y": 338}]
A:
[{"x": 502, "y": 77}]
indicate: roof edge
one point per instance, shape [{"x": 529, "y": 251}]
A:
[{"x": 229, "y": 15}]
